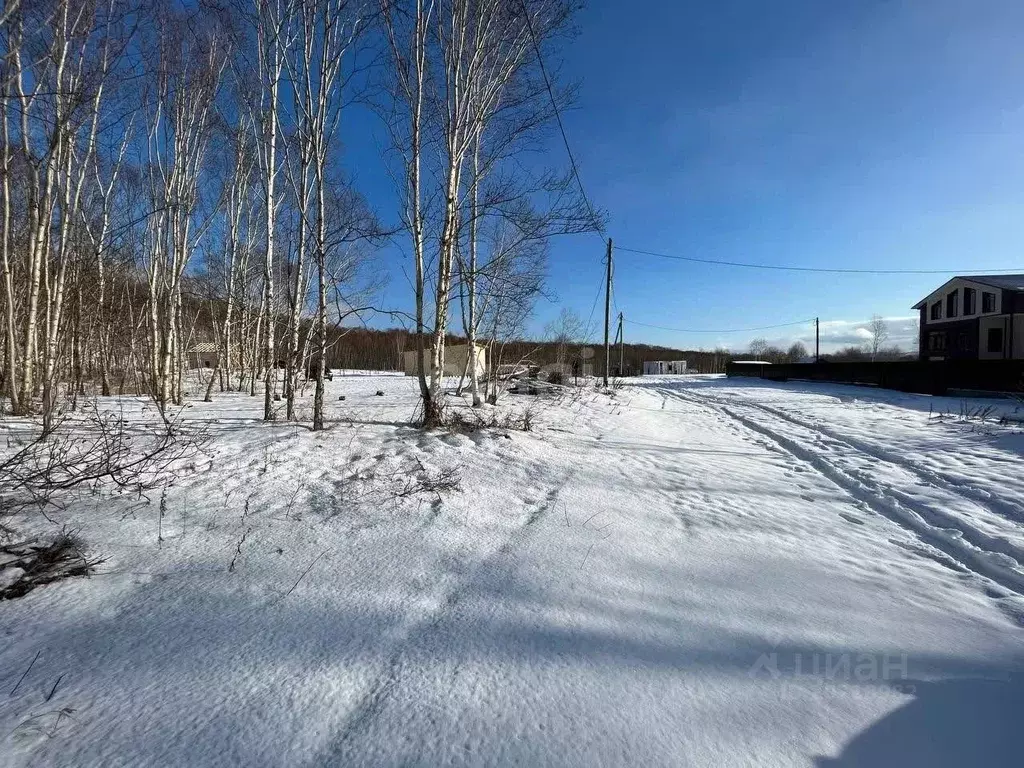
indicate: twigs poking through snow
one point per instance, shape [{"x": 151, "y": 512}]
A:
[
  {"x": 436, "y": 481},
  {"x": 101, "y": 451},
  {"x": 238, "y": 549},
  {"x": 593, "y": 543},
  {"x": 55, "y": 686},
  {"x": 459, "y": 422},
  {"x": 24, "y": 674},
  {"x": 38, "y": 723},
  {"x": 291, "y": 502},
  {"x": 160, "y": 518},
  {"x": 23, "y": 567},
  {"x": 403, "y": 483},
  {"x": 589, "y": 550},
  {"x": 967, "y": 412},
  {"x": 247, "y": 509},
  {"x": 308, "y": 569},
  {"x": 981, "y": 418}
]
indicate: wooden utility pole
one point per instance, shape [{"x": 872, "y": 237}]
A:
[
  {"x": 817, "y": 344},
  {"x": 607, "y": 309},
  {"x": 621, "y": 342}
]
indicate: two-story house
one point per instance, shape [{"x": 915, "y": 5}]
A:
[{"x": 977, "y": 317}]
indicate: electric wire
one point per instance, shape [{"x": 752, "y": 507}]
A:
[
  {"x": 595, "y": 219},
  {"x": 827, "y": 270},
  {"x": 719, "y": 330}
]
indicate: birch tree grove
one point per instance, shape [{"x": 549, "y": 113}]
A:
[
  {"x": 57, "y": 58},
  {"x": 178, "y": 216},
  {"x": 188, "y": 78},
  {"x": 466, "y": 84},
  {"x": 326, "y": 29}
]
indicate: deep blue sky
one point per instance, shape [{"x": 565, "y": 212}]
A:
[{"x": 864, "y": 134}]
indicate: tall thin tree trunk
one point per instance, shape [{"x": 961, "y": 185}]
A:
[
  {"x": 474, "y": 212},
  {"x": 10, "y": 345}
]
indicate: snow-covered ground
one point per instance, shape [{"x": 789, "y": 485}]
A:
[{"x": 693, "y": 571}]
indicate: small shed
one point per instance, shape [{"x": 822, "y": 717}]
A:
[
  {"x": 663, "y": 367},
  {"x": 204, "y": 354},
  {"x": 455, "y": 358}
]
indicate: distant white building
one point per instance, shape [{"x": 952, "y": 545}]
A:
[
  {"x": 455, "y": 360},
  {"x": 661, "y": 367}
]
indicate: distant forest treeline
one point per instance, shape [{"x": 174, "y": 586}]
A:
[{"x": 382, "y": 350}]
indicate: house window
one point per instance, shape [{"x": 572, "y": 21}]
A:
[
  {"x": 953, "y": 304},
  {"x": 970, "y": 299},
  {"x": 937, "y": 310},
  {"x": 995, "y": 340},
  {"x": 962, "y": 343},
  {"x": 937, "y": 342},
  {"x": 988, "y": 302}
]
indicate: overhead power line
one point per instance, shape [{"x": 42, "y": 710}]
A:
[
  {"x": 593, "y": 308},
  {"x": 828, "y": 270},
  {"x": 558, "y": 118},
  {"x": 720, "y": 330}
]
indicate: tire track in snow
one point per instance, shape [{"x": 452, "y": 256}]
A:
[
  {"x": 385, "y": 684},
  {"x": 983, "y": 498},
  {"x": 982, "y": 554},
  {"x": 927, "y": 478}
]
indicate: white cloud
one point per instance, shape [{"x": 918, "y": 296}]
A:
[{"x": 836, "y": 334}]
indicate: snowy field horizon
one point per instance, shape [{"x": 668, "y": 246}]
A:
[{"x": 682, "y": 570}]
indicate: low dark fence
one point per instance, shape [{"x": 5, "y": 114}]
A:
[{"x": 931, "y": 377}]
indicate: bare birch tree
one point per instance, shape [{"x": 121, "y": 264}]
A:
[
  {"x": 458, "y": 64},
  {"x": 407, "y": 33},
  {"x": 188, "y": 77},
  {"x": 325, "y": 31},
  {"x": 879, "y": 330},
  {"x": 274, "y": 37}
]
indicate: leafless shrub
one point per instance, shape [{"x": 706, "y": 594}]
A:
[
  {"x": 388, "y": 483},
  {"x": 25, "y": 566},
  {"x": 101, "y": 451},
  {"x": 526, "y": 419},
  {"x": 462, "y": 423},
  {"x": 437, "y": 481},
  {"x": 967, "y": 413},
  {"x": 978, "y": 413}
]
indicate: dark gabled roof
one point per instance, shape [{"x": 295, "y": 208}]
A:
[{"x": 1009, "y": 282}]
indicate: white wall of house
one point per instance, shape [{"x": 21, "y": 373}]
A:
[
  {"x": 997, "y": 331},
  {"x": 934, "y": 316},
  {"x": 664, "y": 367}
]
